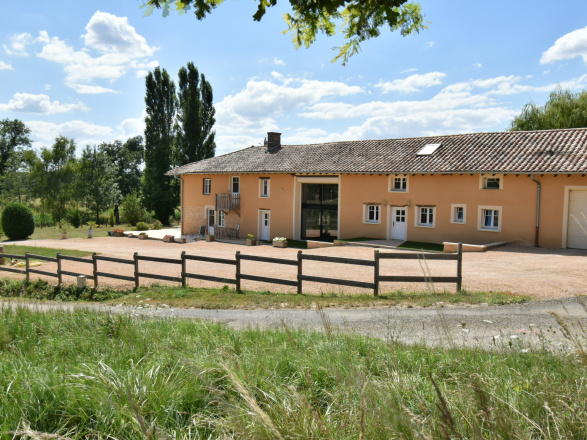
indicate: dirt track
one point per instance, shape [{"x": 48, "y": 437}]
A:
[{"x": 541, "y": 273}]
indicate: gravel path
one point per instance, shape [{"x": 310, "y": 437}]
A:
[
  {"x": 540, "y": 273},
  {"x": 522, "y": 326}
]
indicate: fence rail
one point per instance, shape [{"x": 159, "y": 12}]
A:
[{"x": 297, "y": 281}]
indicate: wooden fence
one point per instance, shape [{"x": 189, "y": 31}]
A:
[{"x": 378, "y": 278}]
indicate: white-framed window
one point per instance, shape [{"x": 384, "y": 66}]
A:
[
  {"x": 426, "y": 216},
  {"x": 221, "y": 218},
  {"x": 235, "y": 186},
  {"x": 372, "y": 213},
  {"x": 207, "y": 186},
  {"x": 211, "y": 217},
  {"x": 264, "y": 188},
  {"x": 491, "y": 182},
  {"x": 490, "y": 218},
  {"x": 398, "y": 183},
  {"x": 458, "y": 214}
]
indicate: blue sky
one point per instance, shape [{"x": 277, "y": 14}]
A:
[{"x": 77, "y": 68}]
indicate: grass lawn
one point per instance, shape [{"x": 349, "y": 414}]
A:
[
  {"x": 53, "y": 233},
  {"x": 418, "y": 246},
  {"x": 83, "y": 375},
  {"x": 18, "y": 249}
]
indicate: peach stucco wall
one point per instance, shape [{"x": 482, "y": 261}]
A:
[{"x": 517, "y": 200}]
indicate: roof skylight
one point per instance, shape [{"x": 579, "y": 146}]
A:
[{"x": 428, "y": 149}]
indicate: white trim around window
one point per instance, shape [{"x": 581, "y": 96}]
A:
[
  {"x": 458, "y": 213},
  {"x": 235, "y": 185},
  {"x": 491, "y": 181},
  {"x": 372, "y": 213},
  {"x": 425, "y": 217},
  {"x": 220, "y": 220},
  {"x": 264, "y": 187},
  {"x": 207, "y": 186},
  {"x": 398, "y": 183},
  {"x": 489, "y": 218}
]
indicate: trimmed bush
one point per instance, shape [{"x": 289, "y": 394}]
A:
[
  {"x": 75, "y": 217},
  {"x": 18, "y": 221},
  {"x": 142, "y": 226}
]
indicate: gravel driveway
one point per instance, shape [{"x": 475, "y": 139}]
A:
[{"x": 540, "y": 273}]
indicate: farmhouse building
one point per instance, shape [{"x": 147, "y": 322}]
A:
[{"x": 479, "y": 188}]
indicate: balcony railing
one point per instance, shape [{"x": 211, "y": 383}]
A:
[{"x": 228, "y": 202}]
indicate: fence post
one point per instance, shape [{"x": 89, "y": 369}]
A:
[
  {"x": 26, "y": 259},
  {"x": 135, "y": 257},
  {"x": 95, "y": 270},
  {"x": 59, "y": 276},
  {"x": 460, "y": 266},
  {"x": 300, "y": 272},
  {"x": 238, "y": 271},
  {"x": 183, "y": 270},
  {"x": 2, "y": 260},
  {"x": 376, "y": 274}
]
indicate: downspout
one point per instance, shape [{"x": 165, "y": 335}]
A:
[{"x": 538, "y": 189}]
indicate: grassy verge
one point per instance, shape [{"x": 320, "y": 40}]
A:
[
  {"x": 18, "y": 249},
  {"x": 227, "y": 298},
  {"x": 88, "y": 375},
  {"x": 53, "y": 233},
  {"x": 418, "y": 246}
]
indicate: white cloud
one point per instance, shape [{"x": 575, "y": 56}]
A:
[
  {"x": 40, "y": 104},
  {"x": 413, "y": 83},
  {"x": 278, "y": 62},
  {"x": 5, "y": 66},
  {"x": 133, "y": 126},
  {"x": 569, "y": 46},
  {"x": 409, "y": 70},
  {"x": 120, "y": 50},
  {"x": 18, "y": 44},
  {"x": 431, "y": 44},
  {"x": 478, "y": 65},
  {"x": 84, "y": 133}
]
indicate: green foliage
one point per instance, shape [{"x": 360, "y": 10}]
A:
[
  {"x": 127, "y": 159},
  {"x": 160, "y": 192},
  {"x": 157, "y": 225},
  {"x": 132, "y": 208},
  {"x": 43, "y": 220},
  {"x": 63, "y": 226},
  {"x": 195, "y": 115},
  {"x": 359, "y": 20},
  {"x": 563, "y": 109},
  {"x": 75, "y": 216},
  {"x": 111, "y": 219},
  {"x": 18, "y": 221},
  {"x": 14, "y": 136},
  {"x": 142, "y": 226}
]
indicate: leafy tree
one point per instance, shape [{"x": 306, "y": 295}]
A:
[
  {"x": 132, "y": 208},
  {"x": 195, "y": 116},
  {"x": 52, "y": 175},
  {"x": 14, "y": 138},
  {"x": 127, "y": 158},
  {"x": 563, "y": 109},
  {"x": 96, "y": 181},
  {"x": 160, "y": 192},
  {"x": 361, "y": 19}
]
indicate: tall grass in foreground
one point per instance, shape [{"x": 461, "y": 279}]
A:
[{"x": 88, "y": 375}]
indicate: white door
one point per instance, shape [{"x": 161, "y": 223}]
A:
[
  {"x": 398, "y": 223},
  {"x": 264, "y": 226},
  {"x": 577, "y": 226}
]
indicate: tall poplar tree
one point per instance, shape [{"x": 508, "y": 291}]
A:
[
  {"x": 195, "y": 117},
  {"x": 160, "y": 191}
]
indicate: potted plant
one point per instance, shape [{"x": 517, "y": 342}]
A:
[
  {"x": 118, "y": 232},
  {"x": 280, "y": 242},
  {"x": 251, "y": 241},
  {"x": 169, "y": 239},
  {"x": 209, "y": 237},
  {"x": 63, "y": 227},
  {"x": 143, "y": 236},
  {"x": 183, "y": 240},
  {"x": 91, "y": 229}
]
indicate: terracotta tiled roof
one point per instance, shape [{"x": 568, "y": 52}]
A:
[{"x": 548, "y": 151}]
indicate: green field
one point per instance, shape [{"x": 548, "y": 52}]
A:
[{"x": 88, "y": 375}]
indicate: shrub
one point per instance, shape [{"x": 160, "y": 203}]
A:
[
  {"x": 142, "y": 226},
  {"x": 63, "y": 226},
  {"x": 132, "y": 209},
  {"x": 18, "y": 221},
  {"x": 148, "y": 217},
  {"x": 43, "y": 220},
  {"x": 75, "y": 217},
  {"x": 157, "y": 225},
  {"x": 111, "y": 219}
]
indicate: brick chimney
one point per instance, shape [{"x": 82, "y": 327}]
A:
[{"x": 273, "y": 141}]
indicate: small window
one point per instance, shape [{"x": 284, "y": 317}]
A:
[
  {"x": 399, "y": 184},
  {"x": 264, "y": 187},
  {"x": 490, "y": 218},
  {"x": 221, "y": 218},
  {"x": 236, "y": 185},
  {"x": 211, "y": 216},
  {"x": 372, "y": 214},
  {"x": 207, "y": 186},
  {"x": 491, "y": 182},
  {"x": 459, "y": 214},
  {"x": 426, "y": 216}
]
